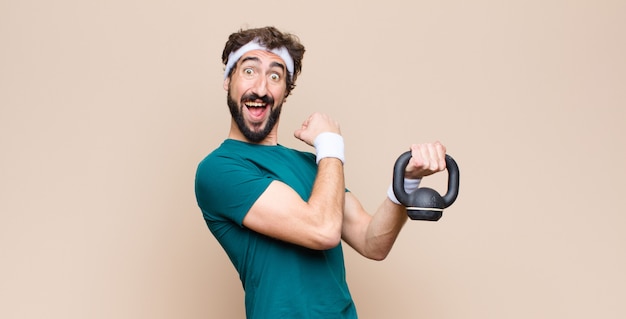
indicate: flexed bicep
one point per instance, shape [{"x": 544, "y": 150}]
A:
[{"x": 282, "y": 214}]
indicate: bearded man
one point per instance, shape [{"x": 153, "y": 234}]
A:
[{"x": 281, "y": 214}]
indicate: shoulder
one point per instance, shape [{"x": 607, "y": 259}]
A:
[
  {"x": 227, "y": 183},
  {"x": 226, "y": 159}
]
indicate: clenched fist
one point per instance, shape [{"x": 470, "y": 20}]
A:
[
  {"x": 314, "y": 125},
  {"x": 426, "y": 159}
]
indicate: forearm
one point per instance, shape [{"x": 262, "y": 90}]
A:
[
  {"x": 327, "y": 201},
  {"x": 383, "y": 229}
]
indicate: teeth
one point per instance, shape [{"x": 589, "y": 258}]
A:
[{"x": 255, "y": 104}]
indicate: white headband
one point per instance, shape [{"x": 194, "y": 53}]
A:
[{"x": 282, "y": 52}]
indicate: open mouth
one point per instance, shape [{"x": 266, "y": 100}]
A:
[{"x": 256, "y": 108}]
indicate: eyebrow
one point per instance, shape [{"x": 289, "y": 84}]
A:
[
  {"x": 256, "y": 59},
  {"x": 278, "y": 64},
  {"x": 250, "y": 58}
]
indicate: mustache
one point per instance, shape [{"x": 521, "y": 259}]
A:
[{"x": 254, "y": 97}]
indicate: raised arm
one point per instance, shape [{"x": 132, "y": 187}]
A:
[
  {"x": 373, "y": 236},
  {"x": 281, "y": 213}
]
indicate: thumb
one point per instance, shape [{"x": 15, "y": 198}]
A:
[
  {"x": 303, "y": 135},
  {"x": 298, "y": 134}
]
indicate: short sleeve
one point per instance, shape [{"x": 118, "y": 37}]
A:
[{"x": 227, "y": 187}]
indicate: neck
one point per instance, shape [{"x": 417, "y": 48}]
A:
[{"x": 235, "y": 134}]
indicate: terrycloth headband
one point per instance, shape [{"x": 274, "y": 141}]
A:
[{"x": 282, "y": 52}]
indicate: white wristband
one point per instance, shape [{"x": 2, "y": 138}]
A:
[
  {"x": 329, "y": 144},
  {"x": 409, "y": 186}
]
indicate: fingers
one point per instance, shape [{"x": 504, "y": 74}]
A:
[
  {"x": 427, "y": 159},
  {"x": 314, "y": 125},
  {"x": 319, "y": 122}
]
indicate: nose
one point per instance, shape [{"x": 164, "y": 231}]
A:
[{"x": 260, "y": 86}]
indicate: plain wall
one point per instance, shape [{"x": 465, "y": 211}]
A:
[{"x": 106, "y": 107}]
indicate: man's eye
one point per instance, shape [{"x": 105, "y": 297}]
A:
[
  {"x": 248, "y": 71},
  {"x": 275, "y": 77}
]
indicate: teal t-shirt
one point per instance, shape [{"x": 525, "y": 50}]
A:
[{"x": 281, "y": 280}]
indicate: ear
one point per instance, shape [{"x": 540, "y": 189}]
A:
[{"x": 226, "y": 83}]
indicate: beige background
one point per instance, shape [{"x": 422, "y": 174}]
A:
[{"x": 107, "y": 106}]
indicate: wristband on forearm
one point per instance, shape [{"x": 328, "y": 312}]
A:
[
  {"x": 409, "y": 186},
  {"x": 329, "y": 144}
]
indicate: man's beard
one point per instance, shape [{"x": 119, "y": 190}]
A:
[{"x": 236, "y": 112}]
